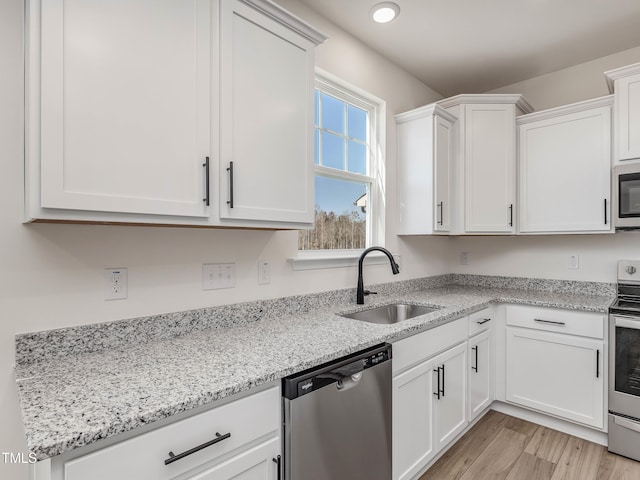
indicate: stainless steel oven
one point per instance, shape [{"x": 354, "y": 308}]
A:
[
  {"x": 626, "y": 196},
  {"x": 624, "y": 363}
]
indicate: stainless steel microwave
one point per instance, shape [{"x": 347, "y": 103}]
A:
[{"x": 626, "y": 196}]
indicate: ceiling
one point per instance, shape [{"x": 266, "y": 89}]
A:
[{"x": 474, "y": 46}]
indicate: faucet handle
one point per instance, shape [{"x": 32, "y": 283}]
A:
[{"x": 369, "y": 292}]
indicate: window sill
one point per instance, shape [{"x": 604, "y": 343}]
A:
[{"x": 327, "y": 259}]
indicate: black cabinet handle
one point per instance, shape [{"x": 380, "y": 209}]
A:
[
  {"x": 206, "y": 181},
  {"x": 437, "y": 392},
  {"x": 441, "y": 206},
  {"x": 174, "y": 458},
  {"x": 482, "y": 322},
  {"x": 511, "y": 215},
  {"x": 605, "y": 211},
  {"x": 442, "y": 391},
  {"x": 278, "y": 462},
  {"x": 475, "y": 349},
  {"x": 550, "y": 322},
  {"x": 598, "y": 363},
  {"x": 230, "y": 170}
]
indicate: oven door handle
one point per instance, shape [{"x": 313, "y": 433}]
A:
[
  {"x": 626, "y": 322},
  {"x": 623, "y": 422}
]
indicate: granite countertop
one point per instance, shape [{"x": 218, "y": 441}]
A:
[{"x": 75, "y": 400}]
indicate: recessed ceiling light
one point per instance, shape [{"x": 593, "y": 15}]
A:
[{"x": 384, "y": 12}]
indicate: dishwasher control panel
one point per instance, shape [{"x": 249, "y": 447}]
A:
[{"x": 337, "y": 371}]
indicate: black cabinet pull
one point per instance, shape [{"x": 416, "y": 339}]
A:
[
  {"x": 598, "y": 363},
  {"x": 605, "y": 211},
  {"x": 511, "y": 215},
  {"x": 278, "y": 462},
  {"x": 550, "y": 322},
  {"x": 174, "y": 458},
  {"x": 441, "y": 206},
  {"x": 206, "y": 181},
  {"x": 230, "y": 170},
  {"x": 442, "y": 391},
  {"x": 482, "y": 322},
  {"x": 437, "y": 392},
  {"x": 475, "y": 349}
]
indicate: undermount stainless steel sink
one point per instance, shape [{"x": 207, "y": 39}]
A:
[{"x": 388, "y": 314}]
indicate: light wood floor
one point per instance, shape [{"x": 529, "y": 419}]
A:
[{"x": 500, "y": 447}]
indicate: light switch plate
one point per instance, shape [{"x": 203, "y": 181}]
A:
[{"x": 218, "y": 275}]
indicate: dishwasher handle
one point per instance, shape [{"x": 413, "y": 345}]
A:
[
  {"x": 347, "y": 383},
  {"x": 346, "y": 376},
  {"x": 345, "y": 373}
]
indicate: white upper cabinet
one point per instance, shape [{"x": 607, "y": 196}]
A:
[
  {"x": 124, "y": 121},
  {"x": 266, "y": 118},
  {"x": 564, "y": 157},
  {"x": 425, "y": 161},
  {"x": 136, "y": 108},
  {"x": 625, "y": 82},
  {"x": 485, "y": 166}
]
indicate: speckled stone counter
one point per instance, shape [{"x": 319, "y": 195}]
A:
[{"x": 85, "y": 394}]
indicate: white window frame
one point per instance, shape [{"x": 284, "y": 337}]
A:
[{"x": 375, "y": 214}]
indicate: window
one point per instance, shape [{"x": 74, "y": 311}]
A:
[{"x": 348, "y": 183}]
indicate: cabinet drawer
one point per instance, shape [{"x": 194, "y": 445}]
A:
[
  {"x": 585, "y": 324},
  {"x": 480, "y": 321},
  {"x": 412, "y": 350},
  {"x": 143, "y": 457}
]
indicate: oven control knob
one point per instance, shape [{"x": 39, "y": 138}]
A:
[{"x": 631, "y": 269}]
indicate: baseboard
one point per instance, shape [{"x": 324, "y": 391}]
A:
[{"x": 553, "y": 423}]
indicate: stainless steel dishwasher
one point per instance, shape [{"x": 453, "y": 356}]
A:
[{"x": 338, "y": 419}]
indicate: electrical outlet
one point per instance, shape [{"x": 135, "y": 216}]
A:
[
  {"x": 115, "y": 283},
  {"x": 264, "y": 273},
  {"x": 464, "y": 258},
  {"x": 574, "y": 262},
  {"x": 218, "y": 275}
]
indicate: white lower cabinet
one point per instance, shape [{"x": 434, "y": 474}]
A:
[
  {"x": 481, "y": 373},
  {"x": 248, "y": 430},
  {"x": 429, "y": 398},
  {"x": 413, "y": 442},
  {"x": 450, "y": 410},
  {"x": 254, "y": 464},
  {"x": 556, "y": 373}
]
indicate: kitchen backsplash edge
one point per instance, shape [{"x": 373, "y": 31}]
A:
[{"x": 46, "y": 345}]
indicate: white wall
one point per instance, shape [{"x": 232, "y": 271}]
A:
[
  {"x": 546, "y": 256},
  {"x": 573, "y": 84},
  {"x": 51, "y": 275}
]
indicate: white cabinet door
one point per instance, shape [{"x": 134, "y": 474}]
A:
[
  {"x": 557, "y": 374},
  {"x": 266, "y": 119},
  {"x": 425, "y": 161},
  {"x": 413, "y": 397},
  {"x": 450, "y": 409},
  {"x": 443, "y": 162},
  {"x": 628, "y": 117},
  {"x": 481, "y": 373},
  {"x": 490, "y": 167},
  {"x": 565, "y": 164},
  {"x": 254, "y": 464},
  {"x": 124, "y": 104}
]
